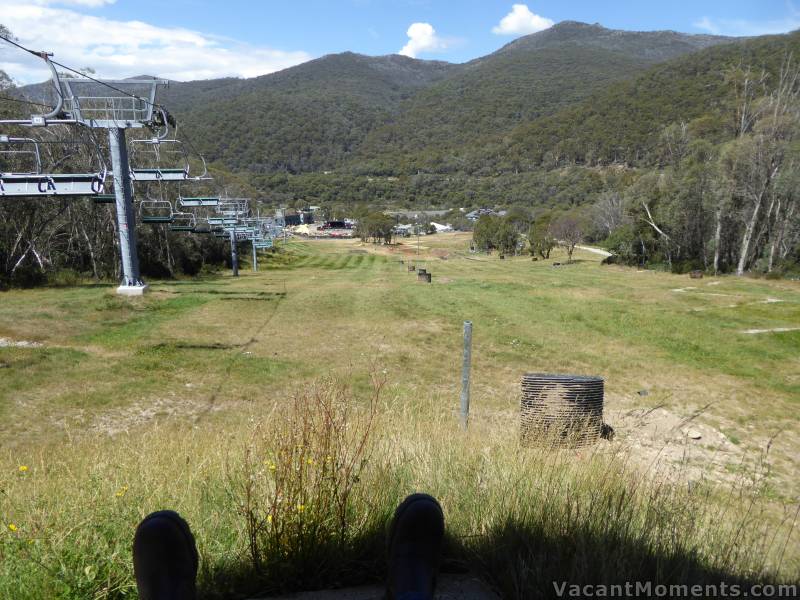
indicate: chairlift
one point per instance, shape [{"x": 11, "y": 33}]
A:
[
  {"x": 233, "y": 207},
  {"x": 195, "y": 202},
  {"x": 202, "y": 229},
  {"x": 104, "y": 199},
  {"x": 152, "y": 154},
  {"x": 183, "y": 221},
  {"x": 23, "y": 151},
  {"x": 22, "y": 174},
  {"x": 155, "y": 211},
  {"x": 222, "y": 221},
  {"x": 246, "y": 234},
  {"x": 162, "y": 159}
]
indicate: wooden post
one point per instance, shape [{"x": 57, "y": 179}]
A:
[{"x": 465, "y": 369}]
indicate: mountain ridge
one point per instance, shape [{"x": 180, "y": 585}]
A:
[{"x": 385, "y": 113}]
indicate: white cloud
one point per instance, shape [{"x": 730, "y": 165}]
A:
[
  {"x": 521, "y": 21},
  {"x": 422, "y": 37},
  {"x": 89, "y": 3},
  {"x": 743, "y": 27},
  {"x": 124, "y": 48}
]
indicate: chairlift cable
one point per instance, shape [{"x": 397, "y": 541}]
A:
[
  {"x": 108, "y": 85},
  {"x": 23, "y": 101},
  {"x": 116, "y": 89}
]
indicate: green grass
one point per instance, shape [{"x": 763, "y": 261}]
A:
[{"x": 131, "y": 405}]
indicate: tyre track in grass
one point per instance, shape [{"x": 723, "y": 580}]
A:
[{"x": 236, "y": 354}]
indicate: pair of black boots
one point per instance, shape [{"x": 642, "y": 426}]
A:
[{"x": 165, "y": 556}]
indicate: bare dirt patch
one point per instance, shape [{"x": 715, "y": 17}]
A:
[
  {"x": 9, "y": 343},
  {"x": 681, "y": 448},
  {"x": 136, "y": 414}
]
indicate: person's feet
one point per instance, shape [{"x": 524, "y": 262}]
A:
[
  {"x": 164, "y": 558},
  {"x": 415, "y": 543}
]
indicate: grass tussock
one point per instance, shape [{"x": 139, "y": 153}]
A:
[
  {"x": 300, "y": 500},
  {"x": 298, "y": 487}
]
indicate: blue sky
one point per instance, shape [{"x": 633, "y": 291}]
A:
[{"x": 195, "y": 39}]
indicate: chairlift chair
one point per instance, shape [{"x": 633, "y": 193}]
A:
[
  {"x": 183, "y": 221},
  {"x": 202, "y": 229},
  {"x": 232, "y": 207},
  {"x": 151, "y": 156},
  {"x": 21, "y": 173},
  {"x": 195, "y": 202},
  {"x": 222, "y": 221},
  {"x": 155, "y": 211},
  {"x": 22, "y": 150}
]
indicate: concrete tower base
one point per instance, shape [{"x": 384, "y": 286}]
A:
[{"x": 132, "y": 290}]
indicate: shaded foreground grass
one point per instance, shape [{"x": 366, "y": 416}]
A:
[{"x": 300, "y": 500}]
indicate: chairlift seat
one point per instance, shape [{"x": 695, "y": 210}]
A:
[
  {"x": 222, "y": 221},
  {"x": 159, "y": 174},
  {"x": 183, "y": 221},
  {"x": 200, "y": 201},
  {"x": 104, "y": 199},
  {"x": 156, "y": 211},
  {"x": 52, "y": 184}
]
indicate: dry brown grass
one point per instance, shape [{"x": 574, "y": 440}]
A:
[{"x": 183, "y": 377}]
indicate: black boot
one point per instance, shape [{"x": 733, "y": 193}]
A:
[
  {"x": 165, "y": 558},
  {"x": 415, "y": 543}
]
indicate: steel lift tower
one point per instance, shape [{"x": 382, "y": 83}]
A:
[
  {"x": 97, "y": 104},
  {"x": 117, "y": 113}
]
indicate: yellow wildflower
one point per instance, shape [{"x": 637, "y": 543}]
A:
[
  {"x": 301, "y": 507},
  {"x": 272, "y": 466},
  {"x": 12, "y": 527},
  {"x": 121, "y": 491},
  {"x": 310, "y": 461},
  {"x": 23, "y": 468},
  {"x": 269, "y": 518}
]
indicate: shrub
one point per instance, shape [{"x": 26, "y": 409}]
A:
[{"x": 298, "y": 485}]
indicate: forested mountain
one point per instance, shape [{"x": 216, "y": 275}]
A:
[
  {"x": 392, "y": 113},
  {"x": 306, "y": 118},
  {"x": 529, "y": 78},
  {"x": 654, "y": 46},
  {"x": 624, "y": 123}
]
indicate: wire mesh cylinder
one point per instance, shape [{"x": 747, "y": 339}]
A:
[{"x": 561, "y": 410}]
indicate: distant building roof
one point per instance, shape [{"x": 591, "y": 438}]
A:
[
  {"x": 480, "y": 212},
  {"x": 416, "y": 214}
]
